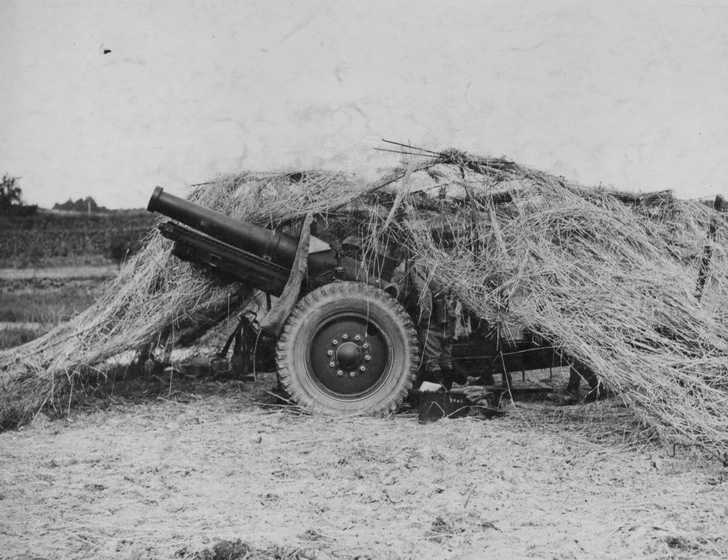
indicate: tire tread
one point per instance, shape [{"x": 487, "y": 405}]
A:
[{"x": 307, "y": 305}]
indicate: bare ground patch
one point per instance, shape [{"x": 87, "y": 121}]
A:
[{"x": 201, "y": 469}]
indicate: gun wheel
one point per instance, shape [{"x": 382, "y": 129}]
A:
[{"x": 348, "y": 348}]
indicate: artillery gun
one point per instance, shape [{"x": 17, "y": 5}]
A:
[{"x": 348, "y": 345}]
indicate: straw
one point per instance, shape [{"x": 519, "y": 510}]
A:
[{"x": 607, "y": 277}]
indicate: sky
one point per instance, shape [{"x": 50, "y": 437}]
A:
[{"x": 629, "y": 94}]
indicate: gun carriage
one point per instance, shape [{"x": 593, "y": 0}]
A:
[{"x": 348, "y": 344}]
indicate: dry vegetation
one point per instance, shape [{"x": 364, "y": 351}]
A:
[{"x": 611, "y": 283}]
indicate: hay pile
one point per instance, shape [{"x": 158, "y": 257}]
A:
[
  {"x": 612, "y": 284},
  {"x": 609, "y": 278}
]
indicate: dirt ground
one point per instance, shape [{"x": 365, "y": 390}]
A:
[{"x": 201, "y": 469}]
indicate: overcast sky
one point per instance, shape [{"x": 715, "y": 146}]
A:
[{"x": 629, "y": 94}]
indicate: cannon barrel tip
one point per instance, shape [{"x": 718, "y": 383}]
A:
[{"x": 152, "y": 206}]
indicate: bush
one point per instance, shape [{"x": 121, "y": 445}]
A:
[{"x": 122, "y": 247}]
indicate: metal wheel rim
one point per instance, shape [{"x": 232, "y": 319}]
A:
[{"x": 339, "y": 330}]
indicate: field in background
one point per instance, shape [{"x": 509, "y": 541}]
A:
[
  {"x": 31, "y": 307},
  {"x": 52, "y": 265},
  {"x": 51, "y": 239}
]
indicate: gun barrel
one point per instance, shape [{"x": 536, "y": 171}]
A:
[{"x": 274, "y": 245}]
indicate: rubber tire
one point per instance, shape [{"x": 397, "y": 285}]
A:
[{"x": 296, "y": 373}]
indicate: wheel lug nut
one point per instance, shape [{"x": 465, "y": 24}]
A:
[
  {"x": 329, "y": 352},
  {"x": 345, "y": 337},
  {"x": 365, "y": 345},
  {"x": 357, "y": 338},
  {"x": 331, "y": 364},
  {"x": 367, "y": 357},
  {"x": 334, "y": 342},
  {"x": 362, "y": 368},
  {"x": 352, "y": 373},
  {"x": 339, "y": 373}
]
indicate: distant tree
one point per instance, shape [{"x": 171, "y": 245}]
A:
[
  {"x": 65, "y": 206},
  {"x": 11, "y": 198},
  {"x": 90, "y": 204},
  {"x": 87, "y": 204},
  {"x": 10, "y": 193}
]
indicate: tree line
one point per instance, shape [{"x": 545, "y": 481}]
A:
[{"x": 11, "y": 201}]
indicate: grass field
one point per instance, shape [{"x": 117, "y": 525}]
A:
[
  {"x": 67, "y": 239},
  {"x": 31, "y": 307},
  {"x": 52, "y": 265}
]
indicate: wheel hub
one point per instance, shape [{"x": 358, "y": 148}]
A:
[{"x": 349, "y": 355}]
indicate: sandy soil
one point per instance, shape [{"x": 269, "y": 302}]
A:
[{"x": 197, "y": 469}]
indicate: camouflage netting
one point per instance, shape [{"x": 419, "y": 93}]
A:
[{"x": 609, "y": 277}]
